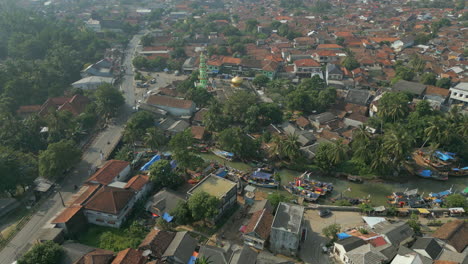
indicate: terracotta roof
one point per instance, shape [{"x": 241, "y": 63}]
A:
[
  {"x": 260, "y": 223},
  {"x": 157, "y": 241},
  {"x": 76, "y": 105},
  {"x": 377, "y": 242},
  {"x": 54, "y": 103},
  {"x": 270, "y": 65},
  {"x": 169, "y": 101},
  {"x": 109, "y": 200},
  {"x": 329, "y": 46},
  {"x": 85, "y": 192},
  {"x": 231, "y": 60},
  {"x": 129, "y": 256},
  {"x": 430, "y": 89},
  {"x": 97, "y": 256},
  {"x": 325, "y": 53},
  {"x": 302, "y": 121},
  {"x": 67, "y": 214},
  {"x": 137, "y": 182},
  {"x": 307, "y": 63},
  {"x": 27, "y": 109},
  {"x": 199, "y": 115},
  {"x": 109, "y": 171},
  {"x": 454, "y": 233},
  {"x": 198, "y": 132},
  {"x": 344, "y": 34}
]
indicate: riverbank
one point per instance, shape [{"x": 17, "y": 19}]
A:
[{"x": 376, "y": 191}]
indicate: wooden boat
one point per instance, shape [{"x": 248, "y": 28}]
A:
[
  {"x": 355, "y": 179},
  {"x": 261, "y": 178},
  {"x": 432, "y": 174},
  {"x": 223, "y": 154},
  {"x": 307, "y": 195},
  {"x": 458, "y": 172}
]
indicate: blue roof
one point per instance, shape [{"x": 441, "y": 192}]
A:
[
  {"x": 343, "y": 235},
  {"x": 221, "y": 172},
  {"x": 167, "y": 217},
  {"x": 425, "y": 173},
  {"x": 261, "y": 175},
  {"x": 149, "y": 163}
]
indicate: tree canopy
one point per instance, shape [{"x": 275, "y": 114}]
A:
[
  {"x": 203, "y": 206},
  {"x": 58, "y": 157},
  {"x": 108, "y": 100},
  {"x": 161, "y": 175},
  {"x": 43, "y": 253}
]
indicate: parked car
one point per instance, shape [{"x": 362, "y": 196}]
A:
[
  {"x": 324, "y": 212},
  {"x": 153, "y": 81}
]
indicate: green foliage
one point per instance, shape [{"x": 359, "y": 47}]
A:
[
  {"x": 330, "y": 155},
  {"x": 291, "y": 4},
  {"x": 365, "y": 208},
  {"x": 444, "y": 83},
  {"x": 321, "y": 7},
  {"x": 428, "y": 78},
  {"x": 343, "y": 203},
  {"x": 393, "y": 106},
  {"x": 405, "y": 73},
  {"x": 456, "y": 200},
  {"x": 332, "y": 231},
  {"x": 350, "y": 63},
  {"x": 125, "y": 153},
  {"x": 161, "y": 175},
  {"x": 58, "y": 157},
  {"x": 251, "y": 25},
  {"x": 182, "y": 214},
  {"x": 203, "y": 206},
  {"x": 234, "y": 140},
  {"x": 108, "y": 100},
  {"x": 116, "y": 239},
  {"x": 276, "y": 198},
  {"x": 260, "y": 80},
  {"x": 43, "y": 253},
  {"x": 340, "y": 41},
  {"x": 238, "y": 48},
  {"x": 414, "y": 223},
  {"x": 214, "y": 120},
  {"x": 147, "y": 40},
  {"x": 181, "y": 145},
  {"x": 137, "y": 126},
  {"x": 203, "y": 260},
  {"x": 16, "y": 168},
  {"x": 200, "y": 96},
  {"x": 154, "y": 138},
  {"x": 237, "y": 105},
  {"x": 286, "y": 147},
  {"x": 308, "y": 99}
]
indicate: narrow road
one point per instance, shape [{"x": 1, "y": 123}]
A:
[{"x": 91, "y": 159}]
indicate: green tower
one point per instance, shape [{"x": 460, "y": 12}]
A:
[{"x": 202, "y": 76}]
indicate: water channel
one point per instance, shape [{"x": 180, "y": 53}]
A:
[{"x": 377, "y": 192}]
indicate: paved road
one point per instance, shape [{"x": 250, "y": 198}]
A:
[{"x": 91, "y": 158}]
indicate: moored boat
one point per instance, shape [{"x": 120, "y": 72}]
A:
[
  {"x": 458, "y": 172},
  {"x": 223, "y": 154},
  {"x": 261, "y": 178},
  {"x": 432, "y": 174}
]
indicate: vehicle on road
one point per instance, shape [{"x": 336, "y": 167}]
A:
[
  {"x": 153, "y": 81},
  {"x": 324, "y": 212}
]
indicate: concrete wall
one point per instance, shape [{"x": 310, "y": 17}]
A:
[
  {"x": 284, "y": 242},
  {"x": 123, "y": 175}
]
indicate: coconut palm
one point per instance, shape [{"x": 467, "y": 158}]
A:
[
  {"x": 462, "y": 127},
  {"x": 338, "y": 152},
  {"x": 289, "y": 147},
  {"x": 397, "y": 144},
  {"x": 154, "y": 138}
]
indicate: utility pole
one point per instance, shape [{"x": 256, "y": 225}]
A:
[{"x": 61, "y": 198}]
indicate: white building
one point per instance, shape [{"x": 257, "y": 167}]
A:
[{"x": 459, "y": 94}]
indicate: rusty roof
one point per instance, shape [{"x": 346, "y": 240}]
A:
[
  {"x": 67, "y": 214},
  {"x": 260, "y": 223},
  {"x": 157, "y": 241},
  {"x": 109, "y": 172},
  {"x": 137, "y": 182},
  {"x": 109, "y": 200},
  {"x": 169, "y": 101},
  {"x": 129, "y": 256},
  {"x": 454, "y": 233},
  {"x": 307, "y": 63},
  {"x": 198, "y": 132}
]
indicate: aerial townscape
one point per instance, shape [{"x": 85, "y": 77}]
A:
[{"x": 233, "y": 131}]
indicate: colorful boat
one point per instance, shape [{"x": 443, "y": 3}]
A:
[
  {"x": 432, "y": 174},
  {"x": 458, "y": 172},
  {"x": 223, "y": 154},
  {"x": 299, "y": 191},
  {"x": 261, "y": 178}
]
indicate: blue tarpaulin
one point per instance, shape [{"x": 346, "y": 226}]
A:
[
  {"x": 437, "y": 201},
  {"x": 167, "y": 217},
  {"x": 261, "y": 175},
  {"x": 224, "y": 153},
  {"x": 148, "y": 164},
  {"x": 221, "y": 172},
  {"x": 173, "y": 164},
  {"x": 444, "y": 156},
  {"x": 464, "y": 168},
  {"x": 445, "y": 193},
  {"x": 343, "y": 235},
  {"x": 192, "y": 260},
  {"x": 425, "y": 173}
]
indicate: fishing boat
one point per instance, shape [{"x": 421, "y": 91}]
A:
[
  {"x": 261, "y": 178},
  {"x": 355, "y": 179},
  {"x": 458, "y": 172},
  {"x": 299, "y": 191},
  {"x": 223, "y": 154},
  {"x": 432, "y": 174}
]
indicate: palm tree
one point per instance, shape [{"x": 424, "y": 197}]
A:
[
  {"x": 289, "y": 147},
  {"x": 432, "y": 131},
  {"x": 338, "y": 152},
  {"x": 154, "y": 138},
  {"x": 462, "y": 128},
  {"x": 203, "y": 260},
  {"x": 275, "y": 148},
  {"x": 397, "y": 144}
]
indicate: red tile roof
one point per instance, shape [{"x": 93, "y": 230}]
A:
[
  {"x": 109, "y": 172},
  {"x": 199, "y": 115},
  {"x": 169, "y": 101},
  {"x": 157, "y": 241},
  {"x": 198, "y": 132},
  {"x": 307, "y": 63},
  {"x": 76, "y": 105},
  {"x": 137, "y": 182},
  {"x": 329, "y": 46},
  {"x": 97, "y": 256},
  {"x": 260, "y": 223},
  {"x": 378, "y": 241},
  {"x": 436, "y": 90},
  {"x": 302, "y": 121},
  {"x": 67, "y": 214},
  {"x": 129, "y": 256},
  {"x": 109, "y": 200},
  {"x": 85, "y": 193},
  {"x": 27, "y": 109}
]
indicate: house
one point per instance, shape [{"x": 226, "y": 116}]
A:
[
  {"x": 342, "y": 247},
  {"x": 221, "y": 188},
  {"x": 180, "y": 249},
  {"x": 459, "y": 94},
  {"x": 175, "y": 106},
  {"x": 109, "y": 206},
  {"x": 75, "y": 253},
  {"x": 92, "y": 82},
  {"x": 325, "y": 56},
  {"x": 333, "y": 72},
  {"x": 198, "y": 132},
  {"x": 409, "y": 258},
  {"x": 75, "y": 105},
  {"x": 306, "y": 67},
  {"x": 286, "y": 229},
  {"x": 140, "y": 184},
  {"x": 129, "y": 256},
  {"x": 163, "y": 202},
  {"x": 304, "y": 137},
  {"x": 302, "y": 122},
  {"x": 448, "y": 255},
  {"x": 156, "y": 243},
  {"x": 303, "y": 42},
  {"x": 414, "y": 88},
  {"x": 358, "y": 97},
  {"x": 403, "y": 43},
  {"x": 198, "y": 117},
  {"x": 366, "y": 254},
  {"x": 428, "y": 247},
  {"x": 258, "y": 229},
  {"x": 214, "y": 254},
  {"x": 397, "y": 234},
  {"x": 113, "y": 170},
  {"x": 244, "y": 255},
  {"x": 93, "y": 24},
  {"x": 454, "y": 235},
  {"x": 329, "y": 47},
  {"x": 101, "y": 68},
  {"x": 322, "y": 119}
]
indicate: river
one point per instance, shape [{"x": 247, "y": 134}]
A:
[{"x": 377, "y": 192}]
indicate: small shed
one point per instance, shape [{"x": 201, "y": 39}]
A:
[{"x": 51, "y": 234}]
